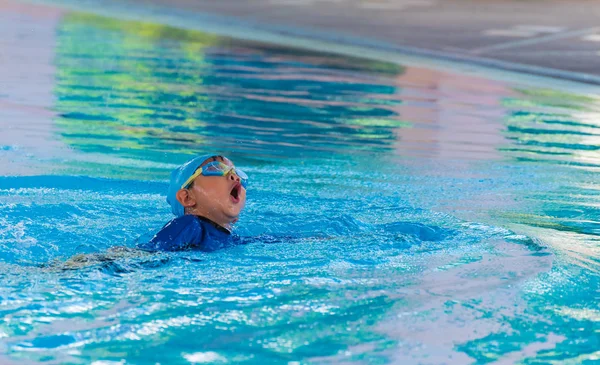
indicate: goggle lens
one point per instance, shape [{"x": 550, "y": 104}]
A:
[{"x": 220, "y": 169}]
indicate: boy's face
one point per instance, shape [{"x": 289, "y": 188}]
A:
[{"x": 219, "y": 198}]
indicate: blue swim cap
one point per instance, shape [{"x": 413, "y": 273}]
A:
[{"x": 178, "y": 178}]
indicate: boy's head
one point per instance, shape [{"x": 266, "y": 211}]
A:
[{"x": 208, "y": 186}]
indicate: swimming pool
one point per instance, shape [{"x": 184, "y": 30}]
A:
[{"x": 396, "y": 214}]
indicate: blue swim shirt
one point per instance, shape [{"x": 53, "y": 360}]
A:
[{"x": 190, "y": 232}]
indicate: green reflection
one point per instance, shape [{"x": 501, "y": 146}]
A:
[
  {"x": 151, "y": 92},
  {"x": 118, "y": 87},
  {"x": 554, "y": 127}
]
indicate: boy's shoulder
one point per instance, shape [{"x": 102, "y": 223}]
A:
[
  {"x": 184, "y": 219},
  {"x": 188, "y": 231},
  {"x": 176, "y": 234},
  {"x": 180, "y": 224}
]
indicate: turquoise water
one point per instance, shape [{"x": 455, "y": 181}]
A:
[{"x": 395, "y": 214}]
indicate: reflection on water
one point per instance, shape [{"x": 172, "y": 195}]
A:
[
  {"x": 26, "y": 86},
  {"x": 556, "y": 127},
  {"x": 395, "y": 214},
  {"x": 141, "y": 90},
  {"x": 459, "y": 119}
]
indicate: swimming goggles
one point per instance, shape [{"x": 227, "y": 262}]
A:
[{"x": 217, "y": 168}]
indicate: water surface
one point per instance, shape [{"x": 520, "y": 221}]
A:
[{"x": 395, "y": 214}]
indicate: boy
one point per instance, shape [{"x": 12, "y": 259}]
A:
[{"x": 206, "y": 194}]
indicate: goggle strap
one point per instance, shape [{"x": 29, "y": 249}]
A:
[{"x": 191, "y": 178}]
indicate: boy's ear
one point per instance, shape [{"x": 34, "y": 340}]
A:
[{"x": 185, "y": 198}]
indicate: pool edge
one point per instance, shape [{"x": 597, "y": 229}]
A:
[{"x": 331, "y": 42}]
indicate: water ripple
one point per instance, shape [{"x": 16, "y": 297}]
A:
[{"x": 395, "y": 214}]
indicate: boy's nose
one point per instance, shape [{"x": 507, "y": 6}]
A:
[{"x": 233, "y": 176}]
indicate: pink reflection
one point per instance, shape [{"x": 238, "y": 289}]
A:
[
  {"x": 455, "y": 116},
  {"x": 27, "y": 73}
]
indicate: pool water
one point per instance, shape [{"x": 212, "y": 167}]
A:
[{"x": 395, "y": 214}]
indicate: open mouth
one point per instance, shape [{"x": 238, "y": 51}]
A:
[{"x": 235, "y": 193}]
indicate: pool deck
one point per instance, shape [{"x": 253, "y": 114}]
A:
[{"x": 554, "y": 38}]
